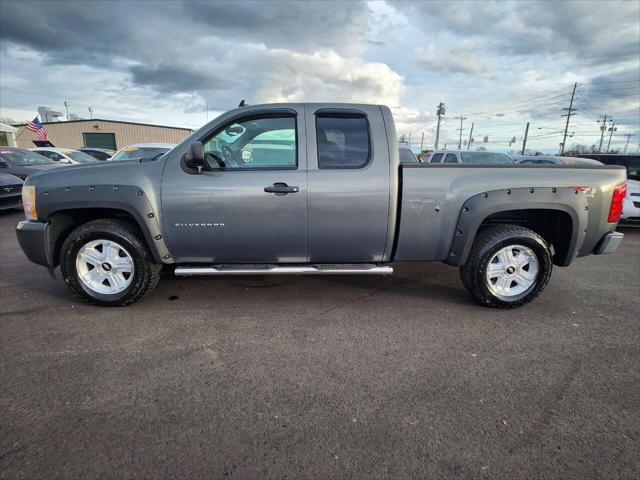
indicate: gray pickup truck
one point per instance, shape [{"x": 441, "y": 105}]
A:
[{"x": 313, "y": 189}]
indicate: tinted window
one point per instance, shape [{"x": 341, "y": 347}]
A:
[
  {"x": 437, "y": 158},
  {"x": 407, "y": 156},
  {"x": 633, "y": 169},
  {"x": 451, "y": 158},
  {"x": 24, "y": 157},
  {"x": 98, "y": 154},
  {"x": 52, "y": 155},
  {"x": 255, "y": 142},
  {"x": 79, "y": 156},
  {"x": 343, "y": 140},
  {"x": 485, "y": 157}
]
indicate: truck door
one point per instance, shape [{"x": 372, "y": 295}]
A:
[
  {"x": 254, "y": 209},
  {"x": 349, "y": 184}
]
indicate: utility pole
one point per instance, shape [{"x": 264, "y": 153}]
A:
[
  {"x": 462, "y": 119},
  {"x": 422, "y": 142},
  {"x": 66, "y": 106},
  {"x": 526, "y": 134},
  {"x": 627, "y": 144},
  {"x": 440, "y": 112},
  {"x": 470, "y": 133},
  {"x": 612, "y": 129},
  {"x": 568, "y": 115},
  {"x": 91, "y": 112},
  {"x": 603, "y": 128}
]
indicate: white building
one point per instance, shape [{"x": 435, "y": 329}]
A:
[{"x": 7, "y": 135}]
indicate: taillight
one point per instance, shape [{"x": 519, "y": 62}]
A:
[{"x": 619, "y": 192}]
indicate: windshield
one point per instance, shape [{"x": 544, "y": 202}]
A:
[
  {"x": 139, "y": 153},
  {"x": 633, "y": 169},
  {"x": 407, "y": 156},
  {"x": 79, "y": 156},
  {"x": 24, "y": 157},
  {"x": 485, "y": 157}
]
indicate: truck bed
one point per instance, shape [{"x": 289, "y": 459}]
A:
[{"x": 432, "y": 198}]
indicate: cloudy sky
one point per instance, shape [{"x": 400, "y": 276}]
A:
[{"x": 500, "y": 64}]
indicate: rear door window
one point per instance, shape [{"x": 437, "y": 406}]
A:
[
  {"x": 343, "y": 140},
  {"x": 451, "y": 158},
  {"x": 437, "y": 158}
]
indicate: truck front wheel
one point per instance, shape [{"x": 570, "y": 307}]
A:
[
  {"x": 106, "y": 262},
  {"x": 507, "y": 267}
]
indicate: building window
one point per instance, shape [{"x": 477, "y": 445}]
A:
[{"x": 100, "y": 140}]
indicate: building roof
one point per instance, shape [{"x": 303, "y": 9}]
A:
[
  {"x": 110, "y": 121},
  {"x": 7, "y": 128}
]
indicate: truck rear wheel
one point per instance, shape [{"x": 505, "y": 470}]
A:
[
  {"x": 106, "y": 262},
  {"x": 507, "y": 267}
]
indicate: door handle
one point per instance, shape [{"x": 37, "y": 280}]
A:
[{"x": 283, "y": 188}]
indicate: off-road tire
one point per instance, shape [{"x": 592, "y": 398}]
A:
[
  {"x": 487, "y": 243},
  {"x": 146, "y": 273}
]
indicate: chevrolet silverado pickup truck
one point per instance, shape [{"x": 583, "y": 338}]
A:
[{"x": 313, "y": 189}]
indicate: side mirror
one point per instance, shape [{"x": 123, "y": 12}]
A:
[
  {"x": 64, "y": 160},
  {"x": 194, "y": 157}
]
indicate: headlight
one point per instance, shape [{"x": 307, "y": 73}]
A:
[{"x": 29, "y": 202}]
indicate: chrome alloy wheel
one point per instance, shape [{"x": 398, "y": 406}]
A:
[
  {"x": 512, "y": 271},
  {"x": 104, "y": 266}
]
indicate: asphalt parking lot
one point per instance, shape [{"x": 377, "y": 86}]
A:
[{"x": 322, "y": 377}]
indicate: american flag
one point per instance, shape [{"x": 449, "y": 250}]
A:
[{"x": 36, "y": 126}]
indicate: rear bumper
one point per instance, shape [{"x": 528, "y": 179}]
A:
[
  {"x": 609, "y": 243},
  {"x": 33, "y": 238}
]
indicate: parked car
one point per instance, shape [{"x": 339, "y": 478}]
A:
[
  {"x": 466, "y": 156},
  {"x": 98, "y": 153},
  {"x": 143, "y": 151},
  {"x": 64, "y": 155},
  {"x": 10, "y": 191},
  {"x": 335, "y": 201},
  {"x": 407, "y": 155},
  {"x": 22, "y": 163},
  {"x": 554, "y": 160},
  {"x": 631, "y": 206}
]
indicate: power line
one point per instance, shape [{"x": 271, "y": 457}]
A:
[{"x": 534, "y": 99}]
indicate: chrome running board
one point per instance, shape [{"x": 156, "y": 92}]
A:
[{"x": 329, "y": 269}]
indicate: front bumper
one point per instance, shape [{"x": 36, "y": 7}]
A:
[
  {"x": 10, "y": 201},
  {"x": 609, "y": 243},
  {"x": 33, "y": 238}
]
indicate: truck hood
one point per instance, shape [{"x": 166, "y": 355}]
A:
[{"x": 146, "y": 176}]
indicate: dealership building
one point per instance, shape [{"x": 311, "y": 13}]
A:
[{"x": 99, "y": 133}]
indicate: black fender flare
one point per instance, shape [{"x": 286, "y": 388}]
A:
[
  {"x": 129, "y": 199},
  {"x": 477, "y": 208}
]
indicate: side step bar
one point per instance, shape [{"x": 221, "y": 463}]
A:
[{"x": 337, "y": 269}]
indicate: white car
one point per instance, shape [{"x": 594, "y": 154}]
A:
[
  {"x": 143, "y": 151},
  {"x": 466, "y": 156},
  {"x": 64, "y": 155},
  {"x": 631, "y": 204}
]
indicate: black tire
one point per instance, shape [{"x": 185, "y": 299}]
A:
[
  {"x": 486, "y": 245},
  {"x": 146, "y": 273}
]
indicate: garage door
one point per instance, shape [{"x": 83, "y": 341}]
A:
[{"x": 100, "y": 140}]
